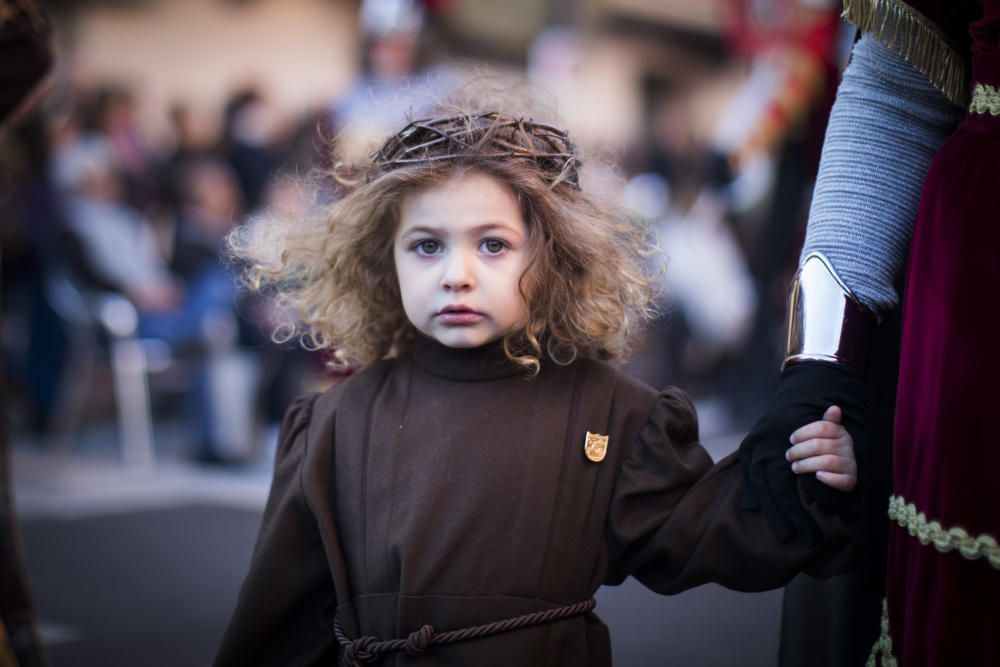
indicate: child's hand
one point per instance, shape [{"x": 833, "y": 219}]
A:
[{"x": 826, "y": 448}]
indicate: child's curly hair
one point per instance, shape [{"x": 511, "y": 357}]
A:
[{"x": 587, "y": 286}]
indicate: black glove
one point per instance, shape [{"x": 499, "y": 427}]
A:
[{"x": 805, "y": 391}]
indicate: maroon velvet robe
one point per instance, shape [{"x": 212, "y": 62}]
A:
[{"x": 944, "y": 606}]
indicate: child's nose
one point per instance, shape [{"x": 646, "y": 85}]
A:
[{"x": 458, "y": 273}]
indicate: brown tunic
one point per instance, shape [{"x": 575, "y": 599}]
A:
[{"x": 445, "y": 488}]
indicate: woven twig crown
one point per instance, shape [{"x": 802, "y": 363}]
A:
[{"x": 482, "y": 135}]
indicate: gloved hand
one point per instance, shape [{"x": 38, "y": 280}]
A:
[{"x": 805, "y": 390}]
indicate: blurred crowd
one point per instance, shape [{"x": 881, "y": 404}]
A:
[
  {"x": 109, "y": 236},
  {"x": 118, "y": 297},
  {"x": 96, "y": 211}
]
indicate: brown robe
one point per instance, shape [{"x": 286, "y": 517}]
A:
[{"x": 446, "y": 488}]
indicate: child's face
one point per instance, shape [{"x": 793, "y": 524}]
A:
[{"x": 460, "y": 250}]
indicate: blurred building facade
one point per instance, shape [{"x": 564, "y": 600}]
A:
[{"x": 304, "y": 53}]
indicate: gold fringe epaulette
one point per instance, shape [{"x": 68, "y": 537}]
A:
[{"x": 912, "y": 35}]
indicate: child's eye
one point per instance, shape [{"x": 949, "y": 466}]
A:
[
  {"x": 492, "y": 246},
  {"x": 427, "y": 247}
]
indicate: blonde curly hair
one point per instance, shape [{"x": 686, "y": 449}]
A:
[{"x": 588, "y": 286}]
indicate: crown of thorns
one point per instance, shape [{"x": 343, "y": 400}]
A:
[{"x": 483, "y": 135}]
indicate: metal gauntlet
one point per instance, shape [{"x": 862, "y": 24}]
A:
[{"x": 826, "y": 322}]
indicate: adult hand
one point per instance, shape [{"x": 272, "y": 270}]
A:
[{"x": 805, "y": 391}]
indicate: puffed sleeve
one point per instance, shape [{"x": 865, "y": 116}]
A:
[
  {"x": 284, "y": 612},
  {"x": 676, "y": 521}
]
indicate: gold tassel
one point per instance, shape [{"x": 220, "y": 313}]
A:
[
  {"x": 883, "y": 645},
  {"x": 912, "y": 35}
]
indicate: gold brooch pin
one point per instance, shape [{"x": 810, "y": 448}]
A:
[{"x": 595, "y": 446}]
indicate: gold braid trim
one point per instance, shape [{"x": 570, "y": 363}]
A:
[
  {"x": 883, "y": 644},
  {"x": 906, "y": 515},
  {"x": 985, "y": 98},
  {"x": 915, "y": 37}
]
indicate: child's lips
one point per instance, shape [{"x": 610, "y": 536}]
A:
[{"x": 459, "y": 316}]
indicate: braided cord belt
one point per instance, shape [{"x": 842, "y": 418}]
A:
[{"x": 366, "y": 650}]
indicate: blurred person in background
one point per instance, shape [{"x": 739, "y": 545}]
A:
[
  {"x": 252, "y": 135},
  {"x": 738, "y": 192},
  {"x": 767, "y": 145},
  {"x": 211, "y": 204},
  {"x": 395, "y": 83},
  {"x": 113, "y": 248},
  {"x": 189, "y": 142},
  {"x": 708, "y": 296},
  {"x": 110, "y": 113},
  {"x": 119, "y": 249}
]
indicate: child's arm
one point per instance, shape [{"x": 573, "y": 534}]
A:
[
  {"x": 279, "y": 617},
  {"x": 827, "y": 449},
  {"x": 676, "y": 521}
]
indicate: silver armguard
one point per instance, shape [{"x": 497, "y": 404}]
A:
[{"x": 826, "y": 322}]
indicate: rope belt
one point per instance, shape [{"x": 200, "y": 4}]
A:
[{"x": 364, "y": 650}]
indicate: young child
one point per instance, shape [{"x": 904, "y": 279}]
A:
[{"x": 464, "y": 495}]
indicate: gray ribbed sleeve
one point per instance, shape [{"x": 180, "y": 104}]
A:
[{"x": 886, "y": 125}]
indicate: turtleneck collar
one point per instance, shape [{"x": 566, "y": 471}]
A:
[{"x": 485, "y": 362}]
